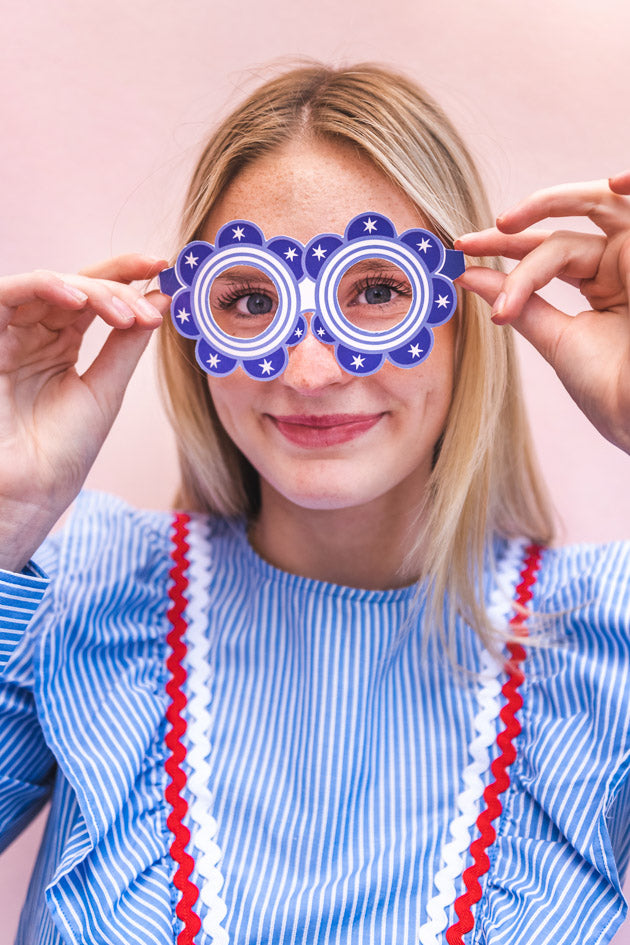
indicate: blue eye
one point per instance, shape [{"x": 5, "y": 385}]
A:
[
  {"x": 378, "y": 294},
  {"x": 258, "y": 304}
]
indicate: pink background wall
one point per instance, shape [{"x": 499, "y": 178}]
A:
[{"x": 104, "y": 105}]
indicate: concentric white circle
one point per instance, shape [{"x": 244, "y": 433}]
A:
[
  {"x": 277, "y": 333},
  {"x": 329, "y": 310}
]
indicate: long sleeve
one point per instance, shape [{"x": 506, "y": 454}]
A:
[{"x": 26, "y": 763}]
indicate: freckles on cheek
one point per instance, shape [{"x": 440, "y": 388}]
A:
[{"x": 231, "y": 403}]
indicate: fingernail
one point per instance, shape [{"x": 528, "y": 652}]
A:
[
  {"x": 144, "y": 307},
  {"x": 74, "y": 293},
  {"x": 122, "y": 309},
  {"x": 499, "y": 304}
]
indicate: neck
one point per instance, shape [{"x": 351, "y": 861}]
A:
[{"x": 363, "y": 546}]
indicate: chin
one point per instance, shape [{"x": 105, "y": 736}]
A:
[{"x": 321, "y": 490}]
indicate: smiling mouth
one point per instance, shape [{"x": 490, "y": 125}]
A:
[{"x": 323, "y": 429}]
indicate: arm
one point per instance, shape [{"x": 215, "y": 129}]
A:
[
  {"x": 26, "y": 764},
  {"x": 53, "y": 421},
  {"x": 590, "y": 352}
]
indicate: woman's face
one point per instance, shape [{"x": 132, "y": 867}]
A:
[{"x": 318, "y": 436}]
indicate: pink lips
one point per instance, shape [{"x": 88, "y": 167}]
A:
[{"x": 323, "y": 429}]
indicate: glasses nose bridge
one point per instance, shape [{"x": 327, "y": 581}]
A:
[
  {"x": 312, "y": 363},
  {"x": 306, "y": 290}
]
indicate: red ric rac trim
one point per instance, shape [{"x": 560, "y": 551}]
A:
[
  {"x": 505, "y": 741},
  {"x": 176, "y": 728}
]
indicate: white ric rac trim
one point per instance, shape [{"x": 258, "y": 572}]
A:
[
  {"x": 468, "y": 801},
  {"x": 203, "y": 827}
]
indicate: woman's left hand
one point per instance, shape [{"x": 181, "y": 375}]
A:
[{"x": 590, "y": 352}]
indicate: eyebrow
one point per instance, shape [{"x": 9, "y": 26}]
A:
[
  {"x": 372, "y": 265},
  {"x": 239, "y": 273}
]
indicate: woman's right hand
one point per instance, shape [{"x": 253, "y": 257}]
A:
[{"x": 54, "y": 421}]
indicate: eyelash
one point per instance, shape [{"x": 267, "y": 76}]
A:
[
  {"x": 390, "y": 281},
  {"x": 228, "y": 299}
]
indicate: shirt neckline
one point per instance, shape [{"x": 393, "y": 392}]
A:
[{"x": 237, "y": 533}]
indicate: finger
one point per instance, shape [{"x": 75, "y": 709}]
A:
[
  {"x": 492, "y": 242},
  {"x": 572, "y": 257},
  {"x": 36, "y": 288},
  {"x": 103, "y": 300},
  {"x": 593, "y": 199},
  {"x": 161, "y": 302},
  {"x": 539, "y": 322},
  {"x": 130, "y": 267},
  {"x": 110, "y": 372},
  {"x": 118, "y": 304},
  {"x": 579, "y": 265},
  {"x": 620, "y": 183}
]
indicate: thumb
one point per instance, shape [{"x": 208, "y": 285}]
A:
[
  {"x": 539, "y": 322},
  {"x": 620, "y": 183},
  {"x": 110, "y": 372}
]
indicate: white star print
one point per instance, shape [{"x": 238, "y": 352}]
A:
[
  {"x": 370, "y": 225},
  {"x": 442, "y": 301},
  {"x": 415, "y": 351},
  {"x": 319, "y": 252},
  {"x": 238, "y": 232},
  {"x": 298, "y": 332},
  {"x": 192, "y": 260},
  {"x": 424, "y": 245},
  {"x": 213, "y": 360},
  {"x": 320, "y": 332},
  {"x": 290, "y": 254},
  {"x": 266, "y": 366},
  {"x": 183, "y": 315},
  {"x": 357, "y": 361}
]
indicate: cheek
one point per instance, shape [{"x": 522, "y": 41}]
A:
[
  {"x": 427, "y": 388},
  {"x": 238, "y": 403},
  {"x": 441, "y": 366},
  {"x": 232, "y": 401}
]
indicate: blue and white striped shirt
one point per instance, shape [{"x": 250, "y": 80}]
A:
[{"x": 337, "y": 748}]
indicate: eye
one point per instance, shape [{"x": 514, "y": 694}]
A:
[
  {"x": 243, "y": 301},
  {"x": 376, "y": 294},
  {"x": 256, "y": 303},
  {"x": 380, "y": 290},
  {"x": 243, "y": 292}
]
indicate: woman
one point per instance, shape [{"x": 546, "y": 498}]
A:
[{"x": 288, "y": 754}]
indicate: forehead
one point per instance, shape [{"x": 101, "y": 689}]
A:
[{"x": 310, "y": 186}]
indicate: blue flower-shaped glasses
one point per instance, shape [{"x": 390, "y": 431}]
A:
[{"x": 372, "y": 294}]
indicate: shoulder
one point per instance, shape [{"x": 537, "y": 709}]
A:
[
  {"x": 566, "y": 810},
  {"x": 577, "y": 692},
  {"x": 588, "y": 586},
  {"x": 100, "y": 522},
  {"x": 109, "y": 558},
  {"x": 106, "y": 541},
  {"x": 113, "y": 561}
]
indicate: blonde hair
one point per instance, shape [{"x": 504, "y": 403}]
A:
[{"x": 485, "y": 481}]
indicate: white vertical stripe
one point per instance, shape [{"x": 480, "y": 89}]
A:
[
  {"x": 204, "y": 848},
  {"x": 336, "y": 746}
]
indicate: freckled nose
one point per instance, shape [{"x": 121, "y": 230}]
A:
[{"x": 312, "y": 365}]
